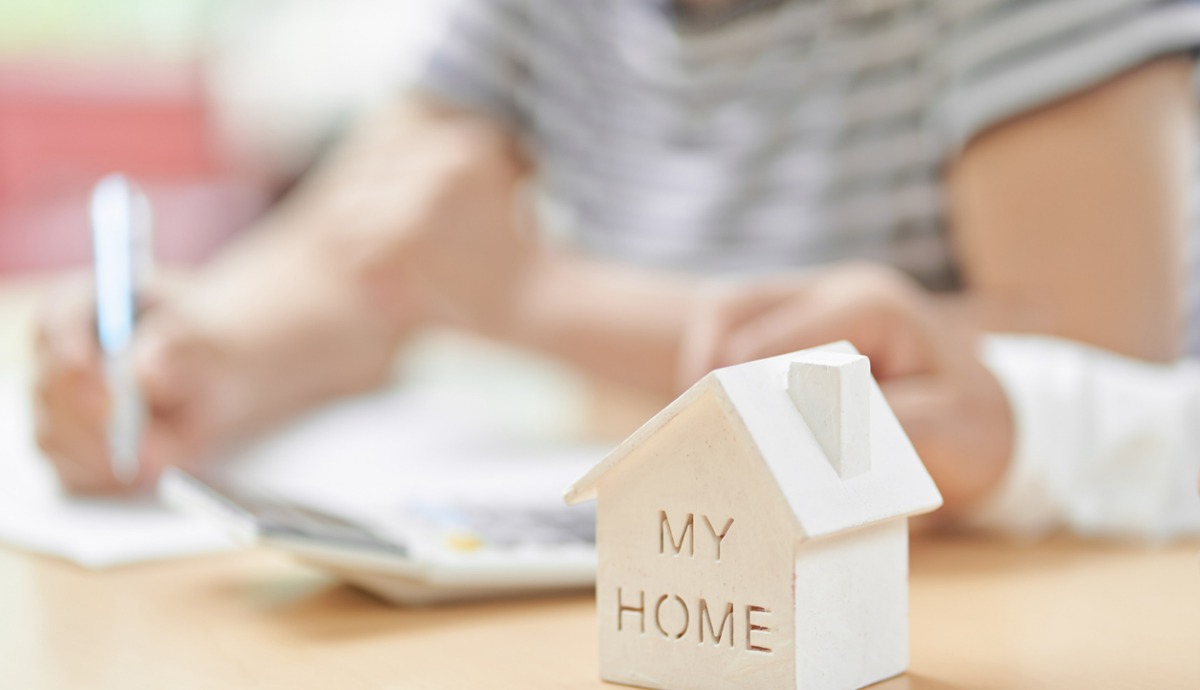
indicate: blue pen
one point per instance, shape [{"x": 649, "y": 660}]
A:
[{"x": 121, "y": 245}]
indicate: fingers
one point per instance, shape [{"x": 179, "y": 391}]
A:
[
  {"x": 79, "y": 453},
  {"x": 163, "y": 359},
  {"x": 796, "y": 324},
  {"x": 960, "y": 423},
  {"x": 722, "y": 309},
  {"x": 71, "y": 403},
  {"x": 65, "y": 335},
  {"x": 75, "y": 446},
  {"x": 880, "y": 312},
  {"x": 886, "y": 330},
  {"x": 948, "y": 402}
]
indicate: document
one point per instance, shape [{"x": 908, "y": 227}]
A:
[
  {"x": 361, "y": 458},
  {"x": 36, "y": 515}
]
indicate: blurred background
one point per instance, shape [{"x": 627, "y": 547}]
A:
[{"x": 215, "y": 106}]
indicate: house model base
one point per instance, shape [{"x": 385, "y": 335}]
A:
[{"x": 754, "y": 533}]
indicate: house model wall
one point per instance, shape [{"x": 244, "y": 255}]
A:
[{"x": 754, "y": 533}]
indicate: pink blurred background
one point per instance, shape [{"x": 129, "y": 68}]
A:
[
  {"x": 63, "y": 126},
  {"x": 212, "y": 105}
]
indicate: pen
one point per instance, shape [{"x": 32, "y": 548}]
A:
[{"x": 122, "y": 256}]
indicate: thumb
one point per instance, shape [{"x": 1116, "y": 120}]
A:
[
  {"x": 172, "y": 388},
  {"x": 162, "y": 369},
  {"x": 719, "y": 309}
]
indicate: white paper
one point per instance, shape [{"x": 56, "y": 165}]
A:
[
  {"x": 361, "y": 458},
  {"x": 35, "y": 514},
  {"x": 368, "y": 456}
]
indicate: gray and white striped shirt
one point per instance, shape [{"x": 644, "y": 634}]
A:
[{"x": 787, "y": 132}]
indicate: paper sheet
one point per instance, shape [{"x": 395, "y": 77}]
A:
[
  {"x": 370, "y": 458},
  {"x": 96, "y": 533},
  {"x": 360, "y": 458}
]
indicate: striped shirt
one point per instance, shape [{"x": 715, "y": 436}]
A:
[{"x": 775, "y": 133}]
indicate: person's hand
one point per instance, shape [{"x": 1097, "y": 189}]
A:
[
  {"x": 950, "y": 405},
  {"x": 182, "y": 371}
]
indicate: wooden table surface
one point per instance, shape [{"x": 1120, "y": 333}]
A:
[
  {"x": 1061, "y": 614},
  {"x": 985, "y": 614}
]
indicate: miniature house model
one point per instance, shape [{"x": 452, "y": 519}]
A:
[{"x": 754, "y": 535}]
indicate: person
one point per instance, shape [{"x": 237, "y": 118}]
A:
[{"x": 650, "y": 189}]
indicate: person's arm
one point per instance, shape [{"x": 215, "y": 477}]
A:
[
  {"x": 286, "y": 300},
  {"x": 1070, "y": 220},
  {"x": 278, "y": 322},
  {"x": 1023, "y": 434}
]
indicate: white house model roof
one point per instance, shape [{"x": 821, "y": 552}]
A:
[{"x": 835, "y": 474}]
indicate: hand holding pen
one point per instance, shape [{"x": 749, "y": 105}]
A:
[{"x": 126, "y": 377}]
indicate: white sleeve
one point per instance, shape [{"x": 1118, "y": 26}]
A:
[{"x": 1105, "y": 445}]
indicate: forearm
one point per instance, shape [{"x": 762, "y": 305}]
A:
[
  {"x": 294, "y": 324},
  {"x": 288, "y": 298},
  {"x": 620, "y": 322},
  {"x": 1069, "y": 221}
]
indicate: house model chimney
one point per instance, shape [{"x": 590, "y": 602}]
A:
[{"x": 832, "y": 390}]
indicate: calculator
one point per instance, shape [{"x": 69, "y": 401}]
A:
[{"x": 422, "y": 553}]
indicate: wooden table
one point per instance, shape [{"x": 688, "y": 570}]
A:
[{"x": 1062, "y": 614}]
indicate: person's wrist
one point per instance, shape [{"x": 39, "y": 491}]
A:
[
  {"x": 508, "y": 306},
  {"x": 1018, "y": 503},
  {"x": 992, "y": 412}
]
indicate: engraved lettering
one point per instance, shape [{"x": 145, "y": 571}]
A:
[
  {"x": 716, "y": 536},
  {"x": 658, "y": 616},
  {"x": 752, "y": 627},
  {"x": 666, "y": 536},
  {"x": 640, "y": 609},
  {"x": 720, "y": 632}
]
